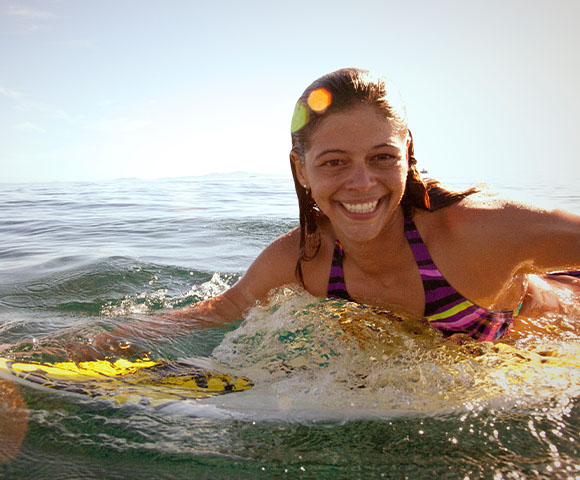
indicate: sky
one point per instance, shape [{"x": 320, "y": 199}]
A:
[{"x": 98, "y": 90}]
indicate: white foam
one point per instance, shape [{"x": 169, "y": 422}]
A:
[{"x": 326, "y": 359}]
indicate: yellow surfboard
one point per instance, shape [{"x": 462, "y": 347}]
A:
[{"x": 154, "y": 383}]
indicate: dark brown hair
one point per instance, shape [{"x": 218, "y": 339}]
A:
[{"x": 341, "y": 90}]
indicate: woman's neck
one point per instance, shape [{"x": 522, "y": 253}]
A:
[{"x": 382, "y": 252}]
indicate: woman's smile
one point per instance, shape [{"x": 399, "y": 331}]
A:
[{"x": 361, "y": 208}]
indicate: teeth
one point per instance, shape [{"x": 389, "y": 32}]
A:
[{"x": 360, "y": 207}]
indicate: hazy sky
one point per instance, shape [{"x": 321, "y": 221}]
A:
[{"x": 104, "y": 89}]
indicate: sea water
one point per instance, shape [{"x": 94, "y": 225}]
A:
[{"x": 341, "y": 391}]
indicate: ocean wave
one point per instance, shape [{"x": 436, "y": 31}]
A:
[{"x": 119, "y": 284}]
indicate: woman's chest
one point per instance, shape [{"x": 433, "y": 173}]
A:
[
  {"x": 383, "y": 279},
  {"x": 399, "y": 289}
]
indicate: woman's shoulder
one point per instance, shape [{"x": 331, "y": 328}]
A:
[
  {"x": 481, "y": 225},
  {"x": 276, "y": 265},
  {"x": 501, "y": 230},
  {"x": 283, "y": 249},
  {"x": 471, "y": 246},
  {"x": 483, "y": 208}
]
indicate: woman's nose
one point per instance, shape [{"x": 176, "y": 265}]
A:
[{"x": 362, "y": 177}]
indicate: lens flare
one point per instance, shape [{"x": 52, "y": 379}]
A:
[
  {"x": 14, "y": 422},
  {"x": 319, "y": 100},
  {"x": 300, "y": 117}
]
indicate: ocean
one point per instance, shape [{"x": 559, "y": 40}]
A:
[{"x": 340, "y": 392}]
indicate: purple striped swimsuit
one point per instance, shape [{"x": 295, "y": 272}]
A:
[
  {"x": 445, "y": 308},
  {"x": 336, "y": 287}
]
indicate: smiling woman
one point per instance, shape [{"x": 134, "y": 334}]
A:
[
  {"x": 355, "y": 172},
  {"x": 374, "y": 232},
  {"x": 357, "y": 184}
]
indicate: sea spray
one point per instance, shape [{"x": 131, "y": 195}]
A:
[{"x": 334, "y": 355}]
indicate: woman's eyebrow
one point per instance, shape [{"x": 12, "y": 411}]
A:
[
  {"x": 339, "y": 150},
  {"x": 330, "y": 150},
  {"x": 382, "y": 145}
]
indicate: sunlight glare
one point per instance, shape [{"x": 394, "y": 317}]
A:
[{"x": 319, "y": 100}]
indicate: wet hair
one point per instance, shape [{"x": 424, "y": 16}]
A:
[{"x": 337, "y": 92}]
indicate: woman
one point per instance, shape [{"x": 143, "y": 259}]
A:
[{"x": 371, "y": 230}]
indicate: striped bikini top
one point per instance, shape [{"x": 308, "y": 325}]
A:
[{"x": 445, "y": 308}]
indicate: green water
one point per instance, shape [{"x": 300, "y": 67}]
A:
[{"x": 78, "y": 259}]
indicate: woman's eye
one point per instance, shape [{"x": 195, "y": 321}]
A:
[
  {"x": 384, "y": 157},
  {"x": 334, "y": 162}
]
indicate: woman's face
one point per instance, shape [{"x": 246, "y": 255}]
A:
[{"x": 356, "y": 167}]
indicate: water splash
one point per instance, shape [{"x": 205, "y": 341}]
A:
[
  {"x": 214, "y": 287},
  {"x": 148, "y": 302},
  {"x": 332, "y": 355}
]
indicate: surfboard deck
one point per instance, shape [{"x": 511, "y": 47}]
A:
[{"x": 153, "y": 383}]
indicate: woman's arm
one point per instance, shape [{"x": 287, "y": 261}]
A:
[
  {"x": 501, "y": 234},
  {"x": 554, "y": 240},
  {"x": 273, "y": 268},
  {"x": 532, "y": 239},
  {"x": 486, "y": 246}
]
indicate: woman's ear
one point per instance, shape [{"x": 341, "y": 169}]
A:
[{"x": 300, "y": 170}]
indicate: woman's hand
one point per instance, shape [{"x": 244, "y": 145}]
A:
[
  {"x": 105, "y": 346},
  {"x": 137, "y": 336},
  {"x": 101, "y": 347}
]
